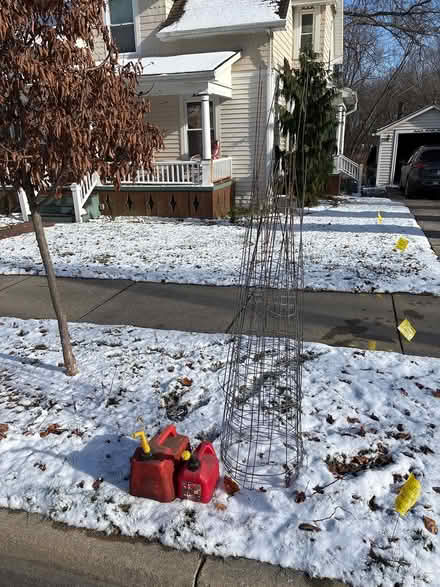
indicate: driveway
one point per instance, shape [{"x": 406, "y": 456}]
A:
[{"x": 427, "y": 213}]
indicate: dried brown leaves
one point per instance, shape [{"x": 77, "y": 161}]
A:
[
  {"x": 69, "y": 115},
  {"x": 3, "y": 431},
  {"x": 52, "y": 429},
  {"x": 340, "y": 465},
  {"x": 231, "y": 487},
  {"x": 430, "y": 525}
]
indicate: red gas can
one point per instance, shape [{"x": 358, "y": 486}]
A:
[
  {"x": 168, "y": 443},
  {"x": 197, "y": 478},
  {"x": 152, "y": 477}
]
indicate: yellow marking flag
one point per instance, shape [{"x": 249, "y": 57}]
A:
[
  {"x": 402, "y": 243},
  {"x": 372, "y": 345},
  {"x": 407, "y": 330},
  {"x": 408, "y": 495}
]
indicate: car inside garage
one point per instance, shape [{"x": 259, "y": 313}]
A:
[
  {"x": 407, "y": 144},
  {"x": 399, "y": 139}
]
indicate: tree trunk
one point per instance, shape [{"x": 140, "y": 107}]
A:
[{"x": 69, "y": 358}]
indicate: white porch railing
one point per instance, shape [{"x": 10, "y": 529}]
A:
[
  {"x": 201, "y": 173},
  {"x": 221, "y": 169},
  {"x": 170, "y": 172},
  {"x": 81, "y": 193},
  {"x": 343, "y": 164}
]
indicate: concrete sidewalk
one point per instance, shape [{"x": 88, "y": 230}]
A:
[
  {"x": 35, "y": 552},
  {"x": 339, "y": 319}
]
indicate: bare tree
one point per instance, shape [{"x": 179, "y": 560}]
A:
[
  {"x": 408, "y": 21},
  {"x": 376, "y": 96},
  {"x": 61, "y": 114}
]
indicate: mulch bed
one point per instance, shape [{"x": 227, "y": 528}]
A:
[{"x": 17, "y": 229}]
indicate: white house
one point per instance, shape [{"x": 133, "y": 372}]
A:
[
  {"x": 399, "y": 139},
  {"x": 210, "y": 70}
]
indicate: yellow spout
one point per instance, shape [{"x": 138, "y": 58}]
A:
[{"x": 144, "y": 442}]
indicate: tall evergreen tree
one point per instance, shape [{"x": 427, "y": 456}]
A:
[{"x": 308, "y": 122}]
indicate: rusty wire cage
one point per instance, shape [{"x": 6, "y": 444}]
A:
[{"x": 261, "y": 442}]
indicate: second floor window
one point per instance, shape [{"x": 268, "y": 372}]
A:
[
  {"x": 307, "y": 37},
  {"x": 122, "y": 25}
]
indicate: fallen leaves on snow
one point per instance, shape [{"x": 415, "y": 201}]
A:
[
  {"x": 430, "y": 525},
  {"x": 231, "y": 487},
  {"x": 340, "y": 466},
  {"x": 52, "y": 429},
  {"x": 300, "y": 497},
  {"x": 309, "y": 528},
  {"x": 186, "y": 381},
  {"x": 97, "y": 483}
]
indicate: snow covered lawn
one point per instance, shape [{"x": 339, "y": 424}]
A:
[
  {"x": 345, "y": 250},
  {"x": 369, "y": 419}
]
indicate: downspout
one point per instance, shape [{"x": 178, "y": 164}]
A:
[
  {"x": 270, "y": 114},
  {"x": 342, "y": 121}
]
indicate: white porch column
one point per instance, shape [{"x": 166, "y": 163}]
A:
[
  {"x": 344, "y": 122},
  {"x": 340, "y": 130},
  {"x": 24, "y": 204},
  {"x": 206, "y": 128},
  {"x": 76, "y": 197}
]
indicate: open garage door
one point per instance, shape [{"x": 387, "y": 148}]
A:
[{"x": 408, "y": 143}]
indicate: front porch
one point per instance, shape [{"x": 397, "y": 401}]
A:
[
  {"x": 177, "y": 189},
  {"x": 193, "y": 176}
]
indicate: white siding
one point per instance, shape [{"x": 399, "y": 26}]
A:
[
  {"x": 165, "y": 114},
  {"x": 283, "y": 42},
  {"x": 254, "y": 48},
  {"x": 99, "y": 52},
  {"x": 326, "y": 32},
  {"x": 238, "y": 128},
  {"x": 151, "y": 13},
  {"x": 428, "y": 120},
  {"x": 339, "y": 32},
  {"x": 384, "y": 161}
]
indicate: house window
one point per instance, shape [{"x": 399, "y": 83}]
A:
[
  {"x": 307, "y": 26},
  {"x": 122, "y": 25},
  {"x": 194, "y": 128}
]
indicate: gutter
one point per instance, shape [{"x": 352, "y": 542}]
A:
[
  {"x": 199, "y": 75},
  {"x": 223, "y": 30}
]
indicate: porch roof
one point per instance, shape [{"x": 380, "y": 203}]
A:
[{"x": 191, "y": 74}]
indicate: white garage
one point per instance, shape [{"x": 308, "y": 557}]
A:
[{"x": 398, "y": 140}]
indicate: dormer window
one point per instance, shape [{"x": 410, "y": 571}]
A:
[
  {"x": 121, "y": 22},
  {"x": 307, "y": 29}
]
